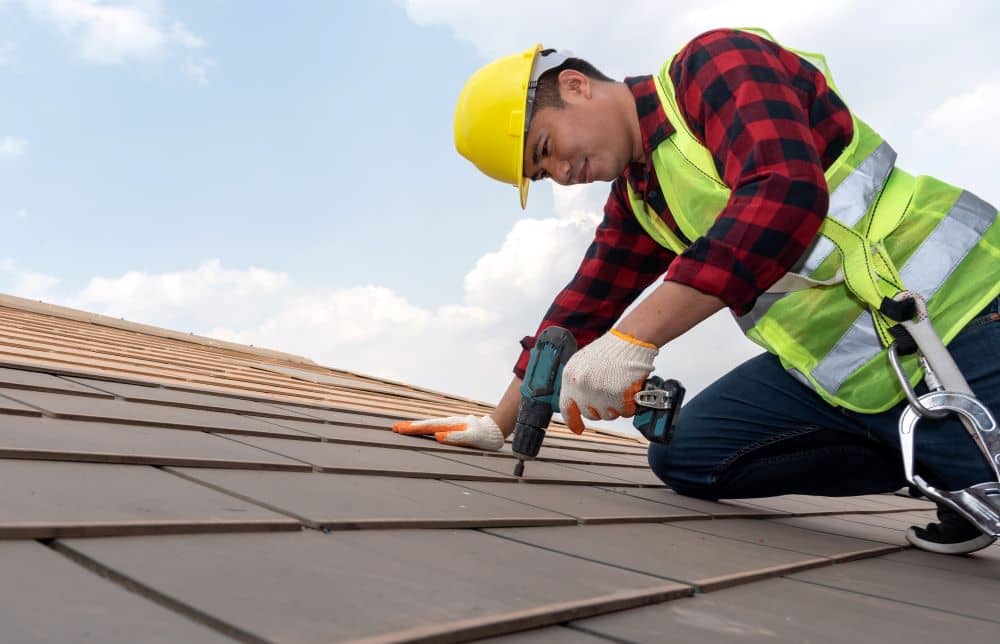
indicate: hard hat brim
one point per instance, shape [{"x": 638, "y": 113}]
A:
[{"x": 525, "y": 182}]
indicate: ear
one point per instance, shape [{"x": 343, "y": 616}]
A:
[{"x": 574, "y": 85}]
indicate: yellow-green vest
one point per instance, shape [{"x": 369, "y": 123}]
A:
[{"x": 897, "y": 232}]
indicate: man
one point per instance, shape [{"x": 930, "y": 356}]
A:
[{"x": 725, "y": 166}]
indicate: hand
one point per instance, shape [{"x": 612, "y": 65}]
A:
[
  {"x": 600, "y": 381},
  {"x": 477, "y": 432}
]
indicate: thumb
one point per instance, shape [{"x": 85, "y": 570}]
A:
[
  {"x": 573, "y": 418},
  {"x": 432, "y": 426},
  {"x": 628, "y": 403}
]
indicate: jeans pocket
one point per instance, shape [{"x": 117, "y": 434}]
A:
[
  {"x": 989, "y": 315},
  {"x": 977, "y": 349}
]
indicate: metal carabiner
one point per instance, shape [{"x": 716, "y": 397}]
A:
[
  {"x": 979, "y": 503},
  {"x": 983, "y": 431},
  {"x": 949, "y": 393},
  {"x": 911, "y": 395}
]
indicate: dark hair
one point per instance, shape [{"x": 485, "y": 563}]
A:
[{"x": 547, "y": 90}]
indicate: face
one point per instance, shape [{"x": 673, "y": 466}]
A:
[{"x": 581, "y": 142}]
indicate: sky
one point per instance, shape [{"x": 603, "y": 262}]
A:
[{"x": 284, "y": 175}]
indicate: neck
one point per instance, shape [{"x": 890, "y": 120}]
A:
[{"x": 626, "y": 105}]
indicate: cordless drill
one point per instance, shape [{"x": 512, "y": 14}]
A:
[
  {"x": 660, "y": 400},
  {"x": 540, "y": 392}
]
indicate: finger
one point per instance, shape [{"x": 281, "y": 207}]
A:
[
  {"x": 610, "y": 414},
  {"x": 592, "y": 413},
  {"x": 628, "y": 404},
  {"x": 572, "y": 416},
  {"x": 426, "y": 428},
  {"x": 564, "y": 398},
  {"x": 453, "y": 438},
  {"x": 409, "y": 426}
]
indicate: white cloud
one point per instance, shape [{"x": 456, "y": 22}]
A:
[
  {"x": 465, "y": 347},
  {"x": 11, "y": 147},
  {"x": 957, "y": 138},
  {"x": 25, "y": 283},
  {"x": 128, "y": 31},
  {"x": 185, "y": 300},
  {"x": 105, "y": 33},
  {"x": 969, "y": 118},
  {"x": 631, "y": 37},
  {"x": 779, "y": 16},
  {"x": 183, "y": 36},
  {"x": 198, "y": 69},
  {"x": 536, "y": 257}
]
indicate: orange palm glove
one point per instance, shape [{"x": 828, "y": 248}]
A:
[
  {"x": 600, "y": 380},
  {"x": 477, "y": 432}
]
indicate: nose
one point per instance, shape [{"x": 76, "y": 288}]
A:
[{"x": 560, "y": 171}]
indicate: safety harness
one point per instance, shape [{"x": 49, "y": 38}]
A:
[{"x": 903, "y": 325}]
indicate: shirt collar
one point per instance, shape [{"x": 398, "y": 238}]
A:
[{"x": 654, "y": 127}]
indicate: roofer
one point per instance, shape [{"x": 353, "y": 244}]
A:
[{"x": 725, "y": 165}]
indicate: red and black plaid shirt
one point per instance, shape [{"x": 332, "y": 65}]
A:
[{"x": 772, "y": 125}]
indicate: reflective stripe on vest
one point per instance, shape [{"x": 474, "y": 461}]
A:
[
  {"x": 881, "y": 218},
  {"x": 852, "y": 198}
]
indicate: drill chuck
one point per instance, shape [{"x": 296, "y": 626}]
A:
[{"x": 533, "y": 417}]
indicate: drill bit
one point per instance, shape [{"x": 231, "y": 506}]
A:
[{"x": 519, "y": 468}]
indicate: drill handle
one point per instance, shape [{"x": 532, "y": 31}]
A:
[{"x": 543, "y": 376}]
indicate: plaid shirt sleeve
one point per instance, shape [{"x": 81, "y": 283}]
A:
[
  {"x": 771, "y": 124},
  {"x": 619, "y": 264}
]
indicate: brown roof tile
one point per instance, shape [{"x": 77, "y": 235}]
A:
[{"x": 157, "y": 438}]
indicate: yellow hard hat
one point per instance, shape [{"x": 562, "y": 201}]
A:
[{"x": 491, "y": 117}]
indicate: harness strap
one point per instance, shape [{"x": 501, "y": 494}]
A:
[{"x": 868, "y": 273}]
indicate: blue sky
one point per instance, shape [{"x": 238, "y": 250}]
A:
[
  {"x": 305, "y": 149},
  {"x": 283, "y": 174}
]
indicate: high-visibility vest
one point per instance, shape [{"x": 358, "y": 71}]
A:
[{"x": 885, "y": 231}]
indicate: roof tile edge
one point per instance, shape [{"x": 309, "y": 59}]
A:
[{"x": 44, "y": 308}]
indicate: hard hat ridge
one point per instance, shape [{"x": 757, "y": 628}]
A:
[{"x": 545, "y": 60}]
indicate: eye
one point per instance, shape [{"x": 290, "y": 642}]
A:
[
  {"x": 540, "y": 151},
  {"x": 542, "y": 174}
]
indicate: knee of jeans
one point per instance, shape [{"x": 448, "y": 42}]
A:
[{"x": 668, "y": 463}]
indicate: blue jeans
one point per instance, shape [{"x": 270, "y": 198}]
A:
[{"x": 758, "y": 432}]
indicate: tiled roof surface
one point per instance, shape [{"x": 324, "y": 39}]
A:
[{"x": 160, "y": 487}]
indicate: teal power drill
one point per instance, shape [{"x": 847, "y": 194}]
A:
[{"x": 660, "y": 400}]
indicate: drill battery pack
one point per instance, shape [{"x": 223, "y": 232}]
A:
[{"x": 658, "y": 408}]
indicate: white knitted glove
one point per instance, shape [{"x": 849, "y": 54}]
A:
[
  {"x": 600, "y": 380},
  {"x": 477, "y": 432}
]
